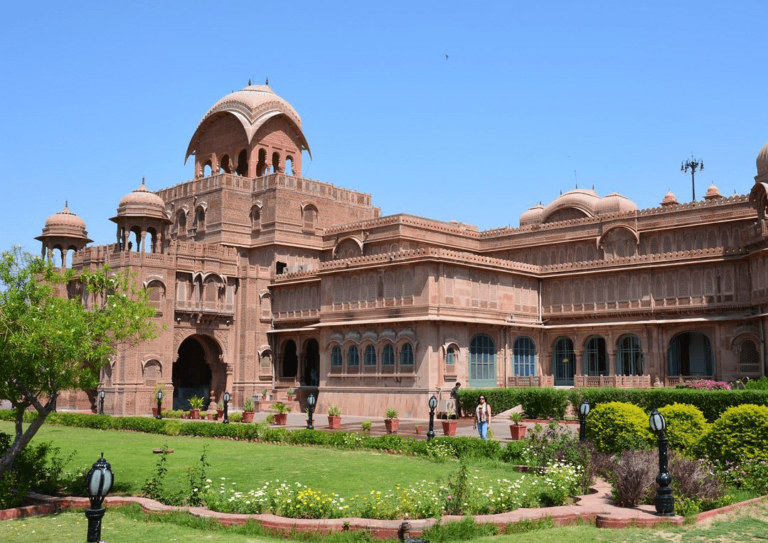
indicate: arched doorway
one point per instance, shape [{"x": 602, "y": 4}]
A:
[
  {"x": 563, "y": 362},
  {"x": 310, "y": 372},
  {"x": 290, "y": 359},
  {"x": 197, "y": 371},
  {"x": 690, "y": 354},
  {"x": 595, "y": 357},
  {"x": 482, "y": 362}
]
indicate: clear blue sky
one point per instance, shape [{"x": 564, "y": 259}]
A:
[{"x": 95, "y": 95}]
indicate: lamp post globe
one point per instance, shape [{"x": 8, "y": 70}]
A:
[
  {"x": 227, "y": 398},
  {"x": 98, "y": 484},
  {"x": 159, "y": 404},
  {"x": 311, "y": 406},
  {"x": 665, "y": 501},
  {"x": 432, "y": 407},
  {"x": 583, "y": 412},
  {"x": 102, "y": 394}
]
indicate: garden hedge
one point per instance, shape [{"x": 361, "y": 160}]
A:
[{"x": 547, "y": 402}]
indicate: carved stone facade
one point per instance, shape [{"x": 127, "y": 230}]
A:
[{"x": 267, "y": 280}]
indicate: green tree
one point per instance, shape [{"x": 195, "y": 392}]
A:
[{"x": 50, "y": 342}]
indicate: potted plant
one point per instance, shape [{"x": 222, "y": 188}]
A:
[
  {"x": 159, "y": 387},
  {"x": 391, "y": 421},
  {"x": 450, "y": 424},
  {"x": 334, "y": 417},
  {"x": 289, "y": 393},
  {"x": 195, "y": 403},
  {"x": 419, "y": 429},
  {"x": 266, "y": 395},
  {"x": 516, "y": 428},
  {"x": 365, "y": 426},
  {"x": 281, "y": 415},
  {"x": 248, "y": 410}
]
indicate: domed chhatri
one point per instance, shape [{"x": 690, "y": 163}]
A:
[
  {"x": 141, "y": 202},
  {"x": 577, "y": 204},
  {"x": 762, "y": 161},
  {"x": 251, "y": 132},
  {"x": 669, "y": 200},
  {"x": 713, "y": 193},
  {"x": 63, "y": 231}
]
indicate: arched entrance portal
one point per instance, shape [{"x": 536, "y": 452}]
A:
[
  {"x": 198, "y": 371},
  {"x": 690, "y": 354},
  {"x": 310, "y": 371}
]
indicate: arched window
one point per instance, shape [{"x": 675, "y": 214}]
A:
[
  {"x": 749, "y": 360},
  {"x": 336, "y": 356},
  {"x": 200, "y": 218},
  {"x": 275, "y": 162},
  {"x": 255, "y": 218},
  {"x": 450, "y": 356},
  {"x": 353, "y": 357},
  {"x": 690, "y": 354},
  {"x": 482, "y": 361},
  {"x": 310, "y": 217},
  {"x": 524, "y": 362},
  {"x": 207, "y": 169},
  {"x": 595, "y": 357},
  {"x": 406, "y": 355},
  {"x": 242, "y": 163},
  {"x": 370, "y": 356},
  {"x": 388, "y": 356},
  {"x": 629, "y": 359},
  {"x": 563, "y": 362},
  {"x": 224, "y": 165}
]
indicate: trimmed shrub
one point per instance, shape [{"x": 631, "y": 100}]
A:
[
  {"x": 685, "y": 426},
  {"x": 615, "y": 427},
  {"x": 740, "y": 434},
  {"x": 756, "y": 384}
]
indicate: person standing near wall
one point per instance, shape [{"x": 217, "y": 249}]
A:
[
  {"x": 483, "y": 417},
  {"x": 456, "y": 399}
]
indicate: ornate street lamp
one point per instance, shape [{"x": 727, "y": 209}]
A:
[
  {"x": 583, "y": 412},
  {"x": 693, "y": 164},
  {"x": 159, "y": 404},
  {"x": 98, "y": 483},
  {"x": 311, "y": 404},
  {"x": 665, "y": 502},
  {"x": 101, "y": 402},
  {"x": 432, "y": 407},
  {"x": 227, "y": 397}
]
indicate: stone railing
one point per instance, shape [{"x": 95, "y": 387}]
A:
[
  {"x": 531, "y": 381},
  {"x": 678, "y": 379},
  {"x": 617, "y": 381}
]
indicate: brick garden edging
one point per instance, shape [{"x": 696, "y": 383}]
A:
[{"x": 595, "y": 507}]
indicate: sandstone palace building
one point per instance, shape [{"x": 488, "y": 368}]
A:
[{"x": 267, "y": 280}]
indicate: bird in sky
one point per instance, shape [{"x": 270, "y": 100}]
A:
[{"x": 446, "y": 57}]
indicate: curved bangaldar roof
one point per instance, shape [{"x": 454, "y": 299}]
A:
[
  {"x": 252, "y": 106},
  {"x": 577, "y": 204}
]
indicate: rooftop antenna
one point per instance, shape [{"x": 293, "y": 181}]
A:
[{"x": 693, "y": 164}]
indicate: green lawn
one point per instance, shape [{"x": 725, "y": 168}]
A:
[
  {"x": 345, "y": 472},
  {"x": 129, "y": 524}
]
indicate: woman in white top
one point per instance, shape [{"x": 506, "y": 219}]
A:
[{"x": 483, "y": 417}]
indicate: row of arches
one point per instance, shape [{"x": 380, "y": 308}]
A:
[
  {"x": 240, "y": 166},
  {"x": 383, "y": 358}
]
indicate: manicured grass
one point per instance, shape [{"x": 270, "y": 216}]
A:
[
  {"x": 129, "y": 524},
  {"x": 345, "y": 472}
]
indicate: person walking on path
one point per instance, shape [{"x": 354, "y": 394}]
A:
[
  {"x": 482, "y": 417},
  {"x": 456, "y": 399}
]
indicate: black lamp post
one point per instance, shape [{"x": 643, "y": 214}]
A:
[
  {"x": 98, "y": 483},
  {"x": 665, "y": 502},
  {"x": 227, "y": 397},
  {"x": 101, "y": 402},
  {"x": 432, "y": 407},
  {"x": 583, "y": 412},
  {"x": 311, "y": 403},
  {"x": 159, "y": 404}
]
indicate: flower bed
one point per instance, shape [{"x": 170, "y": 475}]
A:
[{"x": 477, "y": 495}]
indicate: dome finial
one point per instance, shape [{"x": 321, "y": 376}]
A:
[
  {"x": 142, "y": 181},
  {"x": 66, "y": 203},
  {"x": 267, "y": 81},
  {"x": 249, "y": 81}
]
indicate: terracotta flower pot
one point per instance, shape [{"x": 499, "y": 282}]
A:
[
  {"x": 419, "y": 429},
  {"x": 392, "y": 425},
  {"x": 281, "y": 418},
  {"x": 247, "y": 416},
  {"x": 449, "y": 427},
  {"x": 334, "y": 423},
  {"x": 220, "y": 413},
  {"x": 154, "y": 412},
  {"x": 517, "y": 431},
  {"x": 194, "y": 413},
  {"x": 290, "y": 397}
]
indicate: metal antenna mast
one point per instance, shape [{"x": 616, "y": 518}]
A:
[{"x": 693, "y": 164}]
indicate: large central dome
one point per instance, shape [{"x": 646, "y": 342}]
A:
[{"x": 252, "y": 106}]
